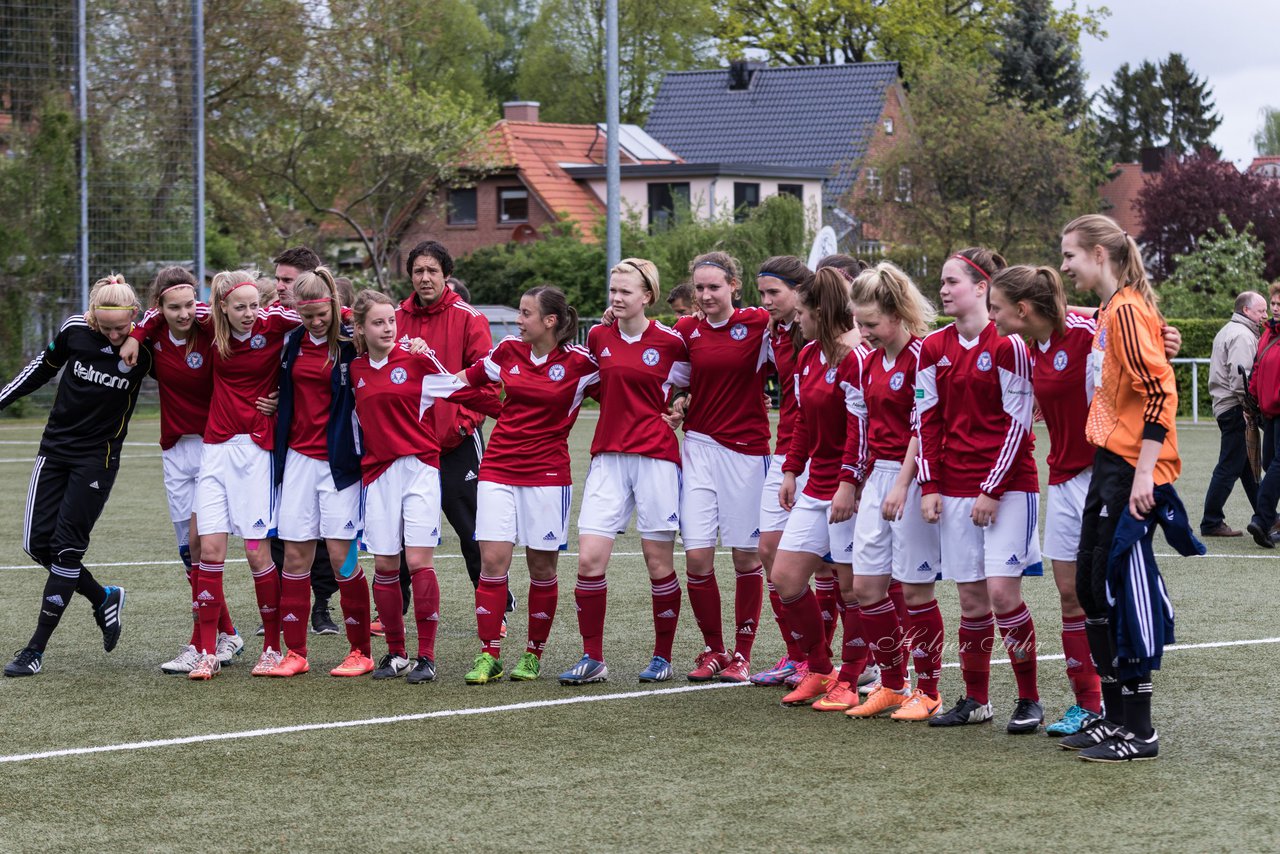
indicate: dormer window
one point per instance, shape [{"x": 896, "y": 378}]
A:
[{"x": 888, "y": 125}]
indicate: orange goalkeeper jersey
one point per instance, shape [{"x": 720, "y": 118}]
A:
[{"x": 1135, "y": 396}]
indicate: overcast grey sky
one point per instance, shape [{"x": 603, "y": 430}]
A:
[{"x": 1234, "y": 44}]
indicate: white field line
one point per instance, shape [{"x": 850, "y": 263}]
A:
[
  {"x": 123, "y": 457},
  {"x": 483, "y": 710},
  {"x": 518, "y": 555},
  {"x": 37, "y": 442}
]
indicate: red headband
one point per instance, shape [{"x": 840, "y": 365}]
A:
[
  {"x": 179, "y": 285},
  {"x": 981, "y": 272}
]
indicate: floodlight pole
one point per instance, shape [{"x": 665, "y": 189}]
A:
[
  {"x": 197, "y": 111},
  {"x": 613, "y": 167},
  {"x": 82, "y": 116}
]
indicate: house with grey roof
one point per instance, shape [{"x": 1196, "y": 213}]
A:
[{"x": 816, "y": 118}]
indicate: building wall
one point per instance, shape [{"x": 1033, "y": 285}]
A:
[
  {"x": 710, "y": 197},
  {"x": 430, "y": 222}
]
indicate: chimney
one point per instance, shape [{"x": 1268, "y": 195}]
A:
[
  {"x": 520, "y": 111},
  {"x": 740, "y": 73},
  {"x": 1153, "y": 158}
]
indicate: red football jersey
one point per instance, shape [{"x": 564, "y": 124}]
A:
[
  {"x": 889, "y": 390},
  {"x": 974, "y": 404},
  {"x": 530, "y": 444},
  {"x": 828, "y": 430},
  {"x": 186, "y": 384},
  {"x": 313, "y": 392},
  {"x": 727, "y": 373},
  {"x": 1063, "y": 384},
  {"x": 636, "y": 378},
  {"x": 393, "y": 397},
  {"x": 784, "y": 362},
  {"x": 250, "y": 371}
]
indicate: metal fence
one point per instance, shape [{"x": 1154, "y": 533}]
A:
[{"x": 100, "y": 122}]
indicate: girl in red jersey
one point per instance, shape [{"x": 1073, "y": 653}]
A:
[
  {"x": 726, "y": 459},
  {"x": 235, "y": 493},
  {"x": 1030, "y": 301},
  {"x": 184, "y": 372},
  {"x": 317, "y": 468},
  {"x": 635, "y": 464},
  {"x": 394, "y": 387},
  {"x": 892, "y": 543},
  {"x": 777, "y": 282},
  {"x": 525, "y": 478},
  {"x": 829, "y": 439},
  {"x": 979, "y": 482}
]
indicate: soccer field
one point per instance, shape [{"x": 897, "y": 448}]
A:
[{"x": 105, "y": 752}]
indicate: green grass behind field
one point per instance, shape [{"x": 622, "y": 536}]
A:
[{"x": 721, "y": 769}]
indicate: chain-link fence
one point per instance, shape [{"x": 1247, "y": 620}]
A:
[{"x": 98, "y": 138}]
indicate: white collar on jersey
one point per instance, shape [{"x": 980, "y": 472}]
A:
[
  {"x": 540, "y": 360},
  {"x": 317, "y": 341},
  {"x": 242, "y": 336},
  {"x": 1044, "y": 345},
  {"x": 177, "y": 341},
  {"x": 379, "y": 363},
  {"x": 967, "y": 343},
  {"x": 721, "y": 323},
  {"x": 629, "y": 339}
]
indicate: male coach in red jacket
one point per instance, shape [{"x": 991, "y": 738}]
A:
[{"x": 460, "y": 337}]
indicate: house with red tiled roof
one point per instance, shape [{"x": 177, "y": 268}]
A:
[
  {"x": 547, "y": 172},
  {"x": 1268, "y": 166}
]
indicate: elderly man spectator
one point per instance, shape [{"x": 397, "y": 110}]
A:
[{"x": 1233, "y": 350}]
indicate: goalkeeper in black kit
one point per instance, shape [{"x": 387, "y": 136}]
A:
[{"x": 78, "y": 459}]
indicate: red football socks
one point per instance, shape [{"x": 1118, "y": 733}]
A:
[
  {"x": 829, "y": 602},
  {"x": 805, "y": 619},
  {"x": 266, "y": 586},
  {"x": 884, "y": 633},
  {"x": 748, "y": 599},
  {"x": 925, "y": 635},
  {"x": 543, "y": 596},
  {"x": 977, "y": 635},
  {"x": 353, "y": 593},
  {"x": 666, "y": 613},
  {"x": 426, "y": 609},
  {"x": 591, "y": 597},
  {"x": 390, "y": 603},
  {"x": 704, "y": 599},
  {"x": 295, "y": 610},
  {"x": 1019, "y": 633},
  {"x": 1080, "y": 671},
  {"x": 853, "y": 646},
  {"x": 208, "y": 602},
  {"x": 491, "y": 604}
]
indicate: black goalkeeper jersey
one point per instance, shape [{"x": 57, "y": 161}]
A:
[{"x": 95, "y": 398}]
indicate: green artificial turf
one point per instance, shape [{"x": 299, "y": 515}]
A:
[{"x": 721, "y": 769}]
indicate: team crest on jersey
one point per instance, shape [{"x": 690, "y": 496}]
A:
[
  {"x": 895, "y": 381},
  {"x": 258, "y": 341},
  {"x": 831, "y": 376},
  {"x": 738, "y": 332},
  {"x": 556, "y": 372},
  {"x": 1060, "y": 360},
  {"x": 399, "y": 375},
  {"x": 195, "y": 361},
  {"x": 649, "y": 357},
  {"x": 984, "y": 361}
]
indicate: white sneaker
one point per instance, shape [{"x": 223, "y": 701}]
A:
[
  {"x": 266, "y": 662},
  {"x": 869, "y": 679},
  {"x": 228, "y": 647},
  {"x": 183, "y": 661}
]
